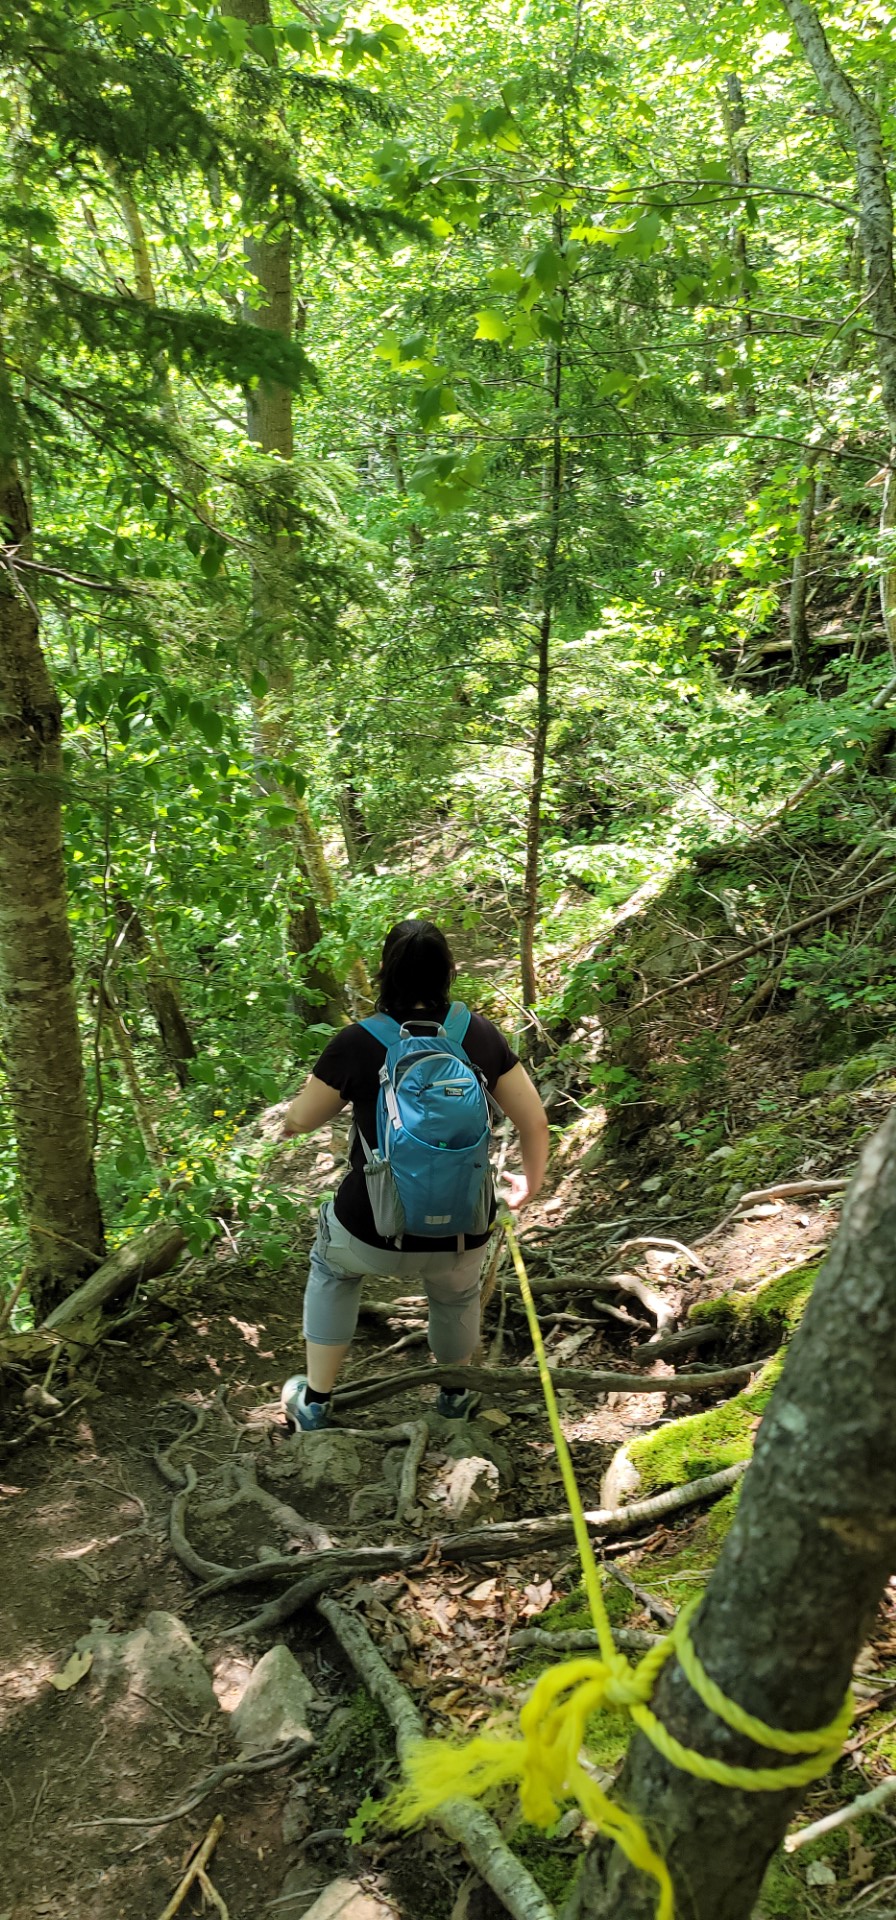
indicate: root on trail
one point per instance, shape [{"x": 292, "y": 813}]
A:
[
  {"x": 463, "y": 1820},
  {"x": 187, "y": 1555},
  {"x": 501, "y": 1541},
  {"x": 501, "y": 1381},
  {"x": 264, "y": 1762},
  {"x": 248, "y": 1492}
]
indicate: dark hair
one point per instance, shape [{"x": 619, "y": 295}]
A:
[{"x": 416, "y": 971}]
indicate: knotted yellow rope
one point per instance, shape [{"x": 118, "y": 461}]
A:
[{"x": 543, "y": 1761}]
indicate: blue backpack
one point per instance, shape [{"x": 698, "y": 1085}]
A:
[{"x": 430, "y": 1173}]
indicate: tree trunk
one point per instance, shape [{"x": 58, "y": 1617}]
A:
[
  {"x": 355, "y": 830},
  {"x": 41, "y": 1039},
  {"x": 793, "y": 1594},
  {"x": 888, "y": 555},
  {"x": 177, "y": 1042},
  {"x": 862, "y": 127},
  {"x": 143, "y": 1113},
  {"x": 553, "y": 493},
  {"x": 735, "y": 120},
  {"x": 800, "y": 637}
]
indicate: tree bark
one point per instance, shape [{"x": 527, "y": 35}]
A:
[
  {"x": 735, "y": 121},
  {"x": 861, "y": 125},
  {"x": 800, "y": 637},
  {"x": 177, "y": 1041},
  {"x": 42, "y": 1043},
  {"x": 794, "y": 1591}
]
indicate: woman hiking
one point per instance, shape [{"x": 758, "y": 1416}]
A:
[{"x": 423, "y": 1048}]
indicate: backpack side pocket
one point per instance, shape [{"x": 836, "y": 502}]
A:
[{"x": 385, "y": 1201}]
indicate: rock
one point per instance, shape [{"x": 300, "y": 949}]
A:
[
  {"x": 371, "y": 1503},
  {"x": 312, "y": 1460},
  {"x": 274, "y": 1707},
  {"x": 346, "y": 1900},
  {"x": 468, "y": 1488},
  {"x": 620, "y": 1481},
  {"x": 295, "y": 1820},
  {"x": 159, "y": 1659}
]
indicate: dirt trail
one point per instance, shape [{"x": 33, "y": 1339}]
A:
[{"x": 85, "y": 1516}]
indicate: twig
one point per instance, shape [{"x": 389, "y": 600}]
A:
[
  {"x": 6, "y": 1311},
  {"x": 497, "y": 1542},
  {"x": 768, "y": 940},
  {"x": 195, "y": 1733},
  {"x": 463, "y": 1820},
  {"x": 38, "y": 1803},
  {"x": 507, "y": 1380},
  {"x": 667, "y": 1345},
  {"x": 658, "y": 1608},
  {"x": 232, "y": 1770},
  {"x": 196, "y": 1868},
  {"x": 844, "y": 1816}
]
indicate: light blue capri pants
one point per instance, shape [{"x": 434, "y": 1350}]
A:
[{"x": 339, "y": 1263}]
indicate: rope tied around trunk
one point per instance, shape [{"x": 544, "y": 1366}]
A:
[{"x": 543, "y": 1758}]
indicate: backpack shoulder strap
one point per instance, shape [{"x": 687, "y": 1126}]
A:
[
  {"x": 383, "y": 1027},
  {"x": 457, "y": 1021}
]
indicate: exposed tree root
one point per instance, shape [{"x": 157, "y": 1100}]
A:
[
  {"x": 187, "y": 1555},
  {"x": 502, "y": 1541},
  {"x": 232, "y": 1770},
  {"x": 667, "y": 1345},
  {"x": 500, "y": 1381},
  {"x": 463, "y": 1820},
  {"x": 283, "y": 1515},
  {"x": 786, "y": 1190},
  {"x": 418, "y": 1441},
  {"x": 661, "y": 1245}
]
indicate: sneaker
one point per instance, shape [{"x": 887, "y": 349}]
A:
[
  {"x": 303, "y": 1416},
  {"x": 457, "y": 1405}
]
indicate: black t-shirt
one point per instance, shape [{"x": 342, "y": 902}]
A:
[{"x": 350, "y": 1064}]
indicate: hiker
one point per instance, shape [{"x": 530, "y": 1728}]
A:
[{"x": 438, "y": 1061}]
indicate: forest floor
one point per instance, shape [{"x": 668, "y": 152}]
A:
[{"x": 99, "y": 1509}]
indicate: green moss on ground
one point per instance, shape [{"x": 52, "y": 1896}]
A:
[
  {"x": 552, "y": 1862},
  {"x": 781, "y": 1299},
  {"x": 703, "y": 1443}
]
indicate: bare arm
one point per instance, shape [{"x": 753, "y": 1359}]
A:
[
  {"x": 312, "y": 1108},
  {"x": 520, "y": 1099}
]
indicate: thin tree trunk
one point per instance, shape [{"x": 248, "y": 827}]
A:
[
  {"x": 143, "y": 1114},
  {"x": 735, "y": 119},
  {"x": 553, "y": 490},
  {"x": 800, "y": 637},
  {"x": 888, "y": 555},
  {"x": 862, "y": 127},
  {"x": 41, "y": 1039},
  {"x": 793, "y": 1594},
  {"x": 177, "y": 1041}
]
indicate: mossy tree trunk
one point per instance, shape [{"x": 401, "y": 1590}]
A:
[
  {"x": 793, "y": 1594},
  {"x": 41, "y": 1041}
]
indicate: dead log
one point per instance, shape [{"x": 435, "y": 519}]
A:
[
  {"x": 508, "y": 1380},
  {"x": 148, "y": 1254}
]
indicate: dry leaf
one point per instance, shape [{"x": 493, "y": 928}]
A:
[
  {"x": 493, "y": 1417},
  {"x": 481, "y": 1595},
  {"x": 861, "y": 1859},
  {"x": 537, "y": 1597},
  {"x": 73, "y": 1671}
]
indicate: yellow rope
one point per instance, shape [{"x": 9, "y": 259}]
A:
[{"x": 542, "y": 1759}]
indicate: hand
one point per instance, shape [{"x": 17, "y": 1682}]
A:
[{"x": 514, "y": 1191}]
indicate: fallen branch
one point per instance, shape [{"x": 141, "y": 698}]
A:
[
  {"x": 786, "y": 1190},
  {"x": 149, "y": 1253},
  {"x": 844, "y": 1816},
  {"x": 768, "y": 940},
  {"x": 508, "y": 1380},
  {"x": 463, "y": 1820},
  {"x": 665, "y": 1615},
  {"x": 501, "y": 1541},
  {"x": 196, "y": 1868},
  {"x": 667, "y": 1345},
  {"x": 583, "y": 1640},
  {"x": 652, "y": 1241}
]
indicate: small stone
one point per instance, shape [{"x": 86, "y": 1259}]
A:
[
  {"x": 311, "y": 1460},
  {"x": 346, "y": 1900},
  {"x": 620, "y": 1481},
  {"x": 274, "y": 1706},
  {"x": 653, "y": 1184},
  {"x": 371, "y": 1503}
]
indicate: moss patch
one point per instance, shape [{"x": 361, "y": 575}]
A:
[
  {"x": 703, "y": 1443},
  {"x": 781, "y": 1300},
  {"x": 553, "y": 1863}
]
